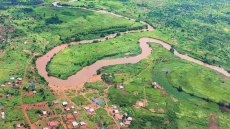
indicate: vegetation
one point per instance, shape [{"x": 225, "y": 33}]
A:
[
  {"x": 78, "y": 56},
  {"x": 199, "y": 28},
  {"x": 80, "y": 100},
  {"x": 42, "y": 95},
  {"x": 190, "y": 111},
  {"x": 33, "y": 115},
  {"x": 40, "y": 28}
]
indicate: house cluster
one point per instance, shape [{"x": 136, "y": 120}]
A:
[
  {"x": 70, "y": 117},
  {"x": 89, "y": 109},
  {"x": 13, "y": 82},
  {"x": 124, "y": 119}
]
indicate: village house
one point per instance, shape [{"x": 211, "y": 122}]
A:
[
  {"x": 53, "y": 124},
  {"x": 119, "y": 86},
  {"x": 75, "y": 124},
  {"x": 115, "y": 111},
  {"x": 3, "y": 115},
  {"x": 128, "y": 121},
  {"x": 19, "y": 81},
  {"x": 64, "y": 103},
  {"x": 74, "y": 112},
  {"x": 44, "y": 113},
  {"x": 69, "y": 117},
  {"x": 82, "y": 123},
  {"x": 56, "y": 102},
  {"x": 67, "y": 108},
  {"x": 118, "y": 116}
]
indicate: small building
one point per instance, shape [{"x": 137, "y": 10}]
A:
[
  {"x": 67, "y": 108},
  {"x": 82, "y": 123},
  {"x": 120, "y": 86},
  {"x": 127, "y": 123},
  {"x": 44, "y": 113},
  {"x": 34, "y": 92},
  {"x": 72, "y": 107},
  {"x": 100, "y": 102},
  {"x": 64, "y": 103},
  {"x": 32, "y": 85},
  {"x": 56, "y": 102},
  {"x": 3, "y": 115},
  {"x": 9, "y": 84},
  {"x": 18, "y": 125},
  {"x": 53, "y": 124},
  {"x": 129, "y": 118},
  {"x": 12, "y": 78},
  {"x": 19, "y": 80},
  {"x": 115, "y": 111},
  {"x": 86, "y": 108},
  {"x": 91, "y": 110},
  {"x": 75, "y": 124},
  {"x": 154, "y": 83},
  {"x": 69, "y": 117},
  {"x": 118, "y": 116},
  {"x": 122, "y": 124},
  {"x": 74, "y": 112}
]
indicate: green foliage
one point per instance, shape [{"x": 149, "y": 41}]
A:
[
  {"x": 42, "y": 95},
  {"x": 80, "y": 100},
  {"x": 13, "y": 114},
  {"x": 33, "y": 115},
  {"x": 122, "y": 98},
  {"x": 201, "y": 28}
]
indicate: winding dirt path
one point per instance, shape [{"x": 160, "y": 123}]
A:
[{"x": 76, "y": 81}]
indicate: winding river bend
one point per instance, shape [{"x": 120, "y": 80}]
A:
[{"x": 89, "y": 71}]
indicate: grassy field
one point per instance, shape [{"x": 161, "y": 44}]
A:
[
  {"x": 80, "y": 100},
  {"x": 78, "y": 56},
  {"x": 33, "y": 115},
  {"x": 39, "y": 28},
  {"x": 200, "y": 28},
  {"x": 42, "y": 95}
]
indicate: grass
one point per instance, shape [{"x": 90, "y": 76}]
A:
[
  {"x": 43, "y": 95},
  {"x": 80, "y": 100},
  {"x": 13, "y": 114},
  {"x": 78, "y": 56},
  {"x": 102, "y": 116},
  {"x": 32, "y": 114},
  {"x": 195, "y": 80},
  {"x": 14, "y": 100}
]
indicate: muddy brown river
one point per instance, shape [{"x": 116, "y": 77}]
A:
[{"x": 88, "y": 72}]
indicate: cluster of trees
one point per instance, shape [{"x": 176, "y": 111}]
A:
[{"x": 27, "y": 2}]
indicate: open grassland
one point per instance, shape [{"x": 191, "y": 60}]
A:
[
  {"x": 78, "y": 56},
  {"x": 195, "y": 80},
  {"x": 40, "y": 28},
  {"x": 190, "y": 111},
  {"x": 200, "y": 28}
]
